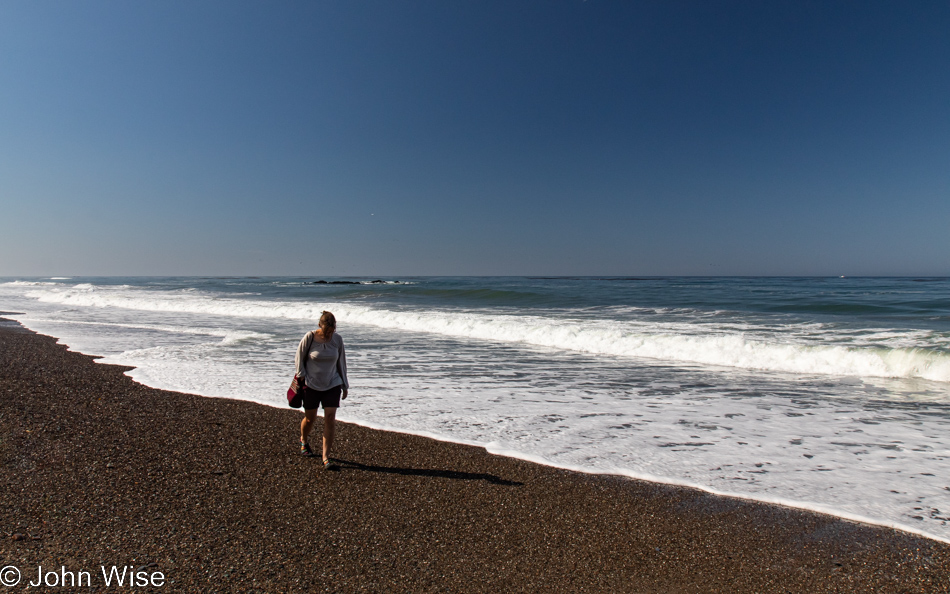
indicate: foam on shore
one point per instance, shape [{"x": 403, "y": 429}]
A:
[{"x": 495, "y": 448}]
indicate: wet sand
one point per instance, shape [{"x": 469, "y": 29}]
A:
[{"x": 98, "y": 470}]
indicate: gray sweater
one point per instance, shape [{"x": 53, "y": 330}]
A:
[{"x": 324, "y": 365}]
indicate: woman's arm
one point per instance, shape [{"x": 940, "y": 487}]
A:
[
  {"x": 341, "y": 365},
  {"x": 300, "y": 359}
]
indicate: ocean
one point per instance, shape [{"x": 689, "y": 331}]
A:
[{"x": 830, "y": 394}]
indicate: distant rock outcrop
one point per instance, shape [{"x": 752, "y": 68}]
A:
[{"x": 372, "y": 282}]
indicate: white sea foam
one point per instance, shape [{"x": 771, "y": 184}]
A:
[{"x": 725, "y": 345}]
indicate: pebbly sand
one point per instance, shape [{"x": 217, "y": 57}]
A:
[{"x": 100, "y": 471}]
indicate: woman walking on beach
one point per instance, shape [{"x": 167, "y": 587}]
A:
[{"x": 321, "y": 371}]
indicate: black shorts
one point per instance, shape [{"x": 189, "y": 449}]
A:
[{"x": 312, "y": 399}]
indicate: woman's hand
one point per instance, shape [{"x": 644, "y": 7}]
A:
[{"x": 344, "y": 393}]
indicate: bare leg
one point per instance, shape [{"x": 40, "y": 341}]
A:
[
  {"x": 306, "y": 425},
  {"x": 329, "y": 428}
]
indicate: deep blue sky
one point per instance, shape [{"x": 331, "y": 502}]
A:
[{"x": 551, "y": 137}]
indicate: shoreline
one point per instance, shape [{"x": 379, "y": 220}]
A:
[
  {"x": 200, "y": 487},
  {"x": 792, "y": 504}
]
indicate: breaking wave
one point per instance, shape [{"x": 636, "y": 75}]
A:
[{"x": 693, "y": 343}]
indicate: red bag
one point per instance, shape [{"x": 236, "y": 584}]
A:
[{"x": 295, "y": 393}]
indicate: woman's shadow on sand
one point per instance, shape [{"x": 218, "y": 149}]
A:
[{"x": 449, "y": 474}]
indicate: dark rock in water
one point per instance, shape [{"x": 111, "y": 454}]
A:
[{"x": 372, "y": 282}]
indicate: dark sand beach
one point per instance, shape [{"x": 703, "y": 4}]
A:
[{"x": 98, "y": 470}]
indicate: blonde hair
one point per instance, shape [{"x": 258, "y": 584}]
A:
[{"x": 327, "y": 324}]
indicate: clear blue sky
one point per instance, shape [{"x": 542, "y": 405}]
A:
[{"x": 550, "y": 137}]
